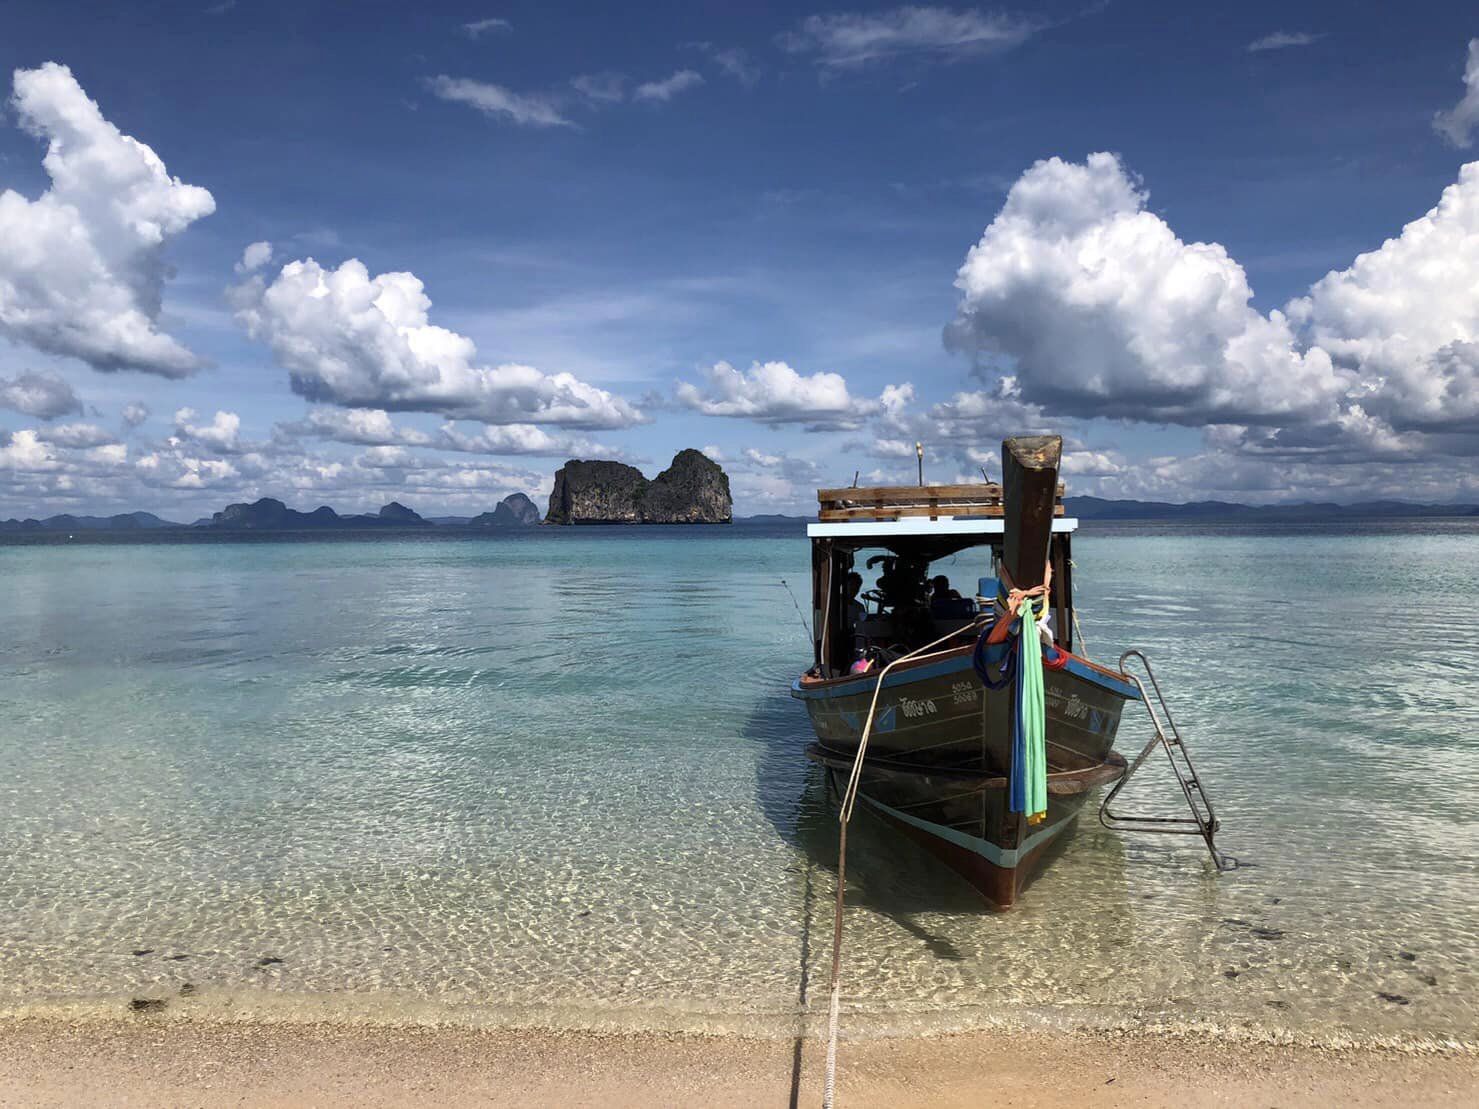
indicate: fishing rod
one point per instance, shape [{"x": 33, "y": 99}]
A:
[{"x": 799, "y": 613}]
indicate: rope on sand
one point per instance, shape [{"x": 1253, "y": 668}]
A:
[{"x": 844, "y": 815}]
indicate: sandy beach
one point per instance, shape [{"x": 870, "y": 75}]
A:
[{"x": 46, "y": 1063}]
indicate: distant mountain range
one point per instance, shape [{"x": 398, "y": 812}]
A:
[
  {"x": 272, "y": 515},
  {"x": 128, "y": 521},
  {"x": 267, "y": 514},
  {"x": 518, "y": 511},
  {"x": 1097, "y": 508}
]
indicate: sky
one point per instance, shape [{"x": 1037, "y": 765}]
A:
[{"x": 426, "y": 253}]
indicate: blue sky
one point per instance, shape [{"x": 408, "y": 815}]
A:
[{"x": 633, "y": 197}]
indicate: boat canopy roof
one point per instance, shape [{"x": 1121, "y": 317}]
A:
[
  {"x": 923, "y": 526},
  {"x": 919, "y": 533},
  {"x": 937, "y": 516}
]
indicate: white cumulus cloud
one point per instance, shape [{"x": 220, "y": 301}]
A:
[
  {"x": 374, "y": 427},
  {"x": 889, "y": 448},
  {"x": 991, "y": 413},
  {"x": 221, "y": 434},
  {"x": 82, "y": 268},
  {"x": 1083, "y": 303},
  {"x": 77, "y": 435},
  {"x": 361, "y": 342},
  {"x": 1457, "y": 124},
  {"x": 254, "y": 257},
  {"x": 774, "y": 393},
  {"x": 1091, "y": 463},
  {"x": 44, "y": 396},
  {"x": 519, "y": 439},
  {"x": 171, "y": 468},
  {"x": 370, "y": 427},
  {"x": 1405, "y": 317},
  {"x": 26, "y": 452},
  {"x": 1100, "y": 310},
  {"x": 760, "y": 458}
]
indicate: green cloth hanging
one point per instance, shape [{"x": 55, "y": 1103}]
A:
[{"x": 1032, "y": 714}]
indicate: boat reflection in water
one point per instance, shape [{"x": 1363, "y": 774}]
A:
[{"x": 939, "y": 756}]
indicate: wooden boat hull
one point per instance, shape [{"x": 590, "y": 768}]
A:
[{"x": 940, "y": 752}]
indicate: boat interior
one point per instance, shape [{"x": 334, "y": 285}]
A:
[{"x": 897, "y": 567}]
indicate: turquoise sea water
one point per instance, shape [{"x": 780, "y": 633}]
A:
[{"x": 556, "y": 779}]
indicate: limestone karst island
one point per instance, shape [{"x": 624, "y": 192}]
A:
[{"x": 693, "y": 490}]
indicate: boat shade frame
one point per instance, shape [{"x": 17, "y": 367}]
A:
[{"x": 881, "y": 531}]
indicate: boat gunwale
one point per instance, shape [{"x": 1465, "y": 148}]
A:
[{"x": 807, "y": 686}]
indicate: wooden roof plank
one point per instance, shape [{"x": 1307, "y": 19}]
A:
[
  {"x": 974, "y": 491},
  {"x": 895, "y": 512},
  {"x": 978, "y": 493}
]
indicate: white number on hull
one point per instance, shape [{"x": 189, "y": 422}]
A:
[
  {"x": 917, "y": 708},
  {"x": 1072, "y": 706}
]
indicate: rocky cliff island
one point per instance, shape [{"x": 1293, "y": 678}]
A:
[
  {"x": 267, "y": 514},
  {"x": 693, "y": 490},
  {"x": 514, "y": 511}
]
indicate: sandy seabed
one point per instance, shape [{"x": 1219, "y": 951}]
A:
[{"x": 155, "y": 1063}]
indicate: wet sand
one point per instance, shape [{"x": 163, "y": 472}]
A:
[{"x": 156, "y": 1063}]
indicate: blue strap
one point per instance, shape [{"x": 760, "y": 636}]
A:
[{"x": 987, "y": 655}]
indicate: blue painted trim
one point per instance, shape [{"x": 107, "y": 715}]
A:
[
  {"x": 1007, "y": 857},
  {"x": 865, "y": 682},
  {"x": 1114, "y": 685}
]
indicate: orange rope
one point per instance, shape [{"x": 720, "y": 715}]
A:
[{"x": 1016, "y": 596}]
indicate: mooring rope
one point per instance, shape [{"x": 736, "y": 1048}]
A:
[
  {"x": 1078, "y": 631},
  {"x": 1016, "y": 596},
  {"x": 844, "y": 815}
]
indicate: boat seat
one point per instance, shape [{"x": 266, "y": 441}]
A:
[{"x": 986, "y": 589}]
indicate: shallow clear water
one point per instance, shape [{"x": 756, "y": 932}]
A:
[{"x": 557, "y": 779}]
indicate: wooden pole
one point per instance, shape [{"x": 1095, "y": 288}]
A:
[{"x": 1029, "y": 484}]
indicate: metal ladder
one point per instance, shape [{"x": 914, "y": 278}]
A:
[{"x": 1203, "y": 819}]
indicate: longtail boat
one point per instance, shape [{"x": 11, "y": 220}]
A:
[{"x": 944, "y": 757}]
